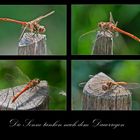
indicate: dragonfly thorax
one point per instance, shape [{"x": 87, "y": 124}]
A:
[
  {"x": 106, "y": 26},
  {"x": 34, "y": 82},
  {"x": 108, "y": 85},
  {"x": 35, "y": 27}
]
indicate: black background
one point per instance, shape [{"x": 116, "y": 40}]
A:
[{"x": 131, "y": 119}]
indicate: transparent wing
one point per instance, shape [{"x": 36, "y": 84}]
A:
[
  {"x": 57, "y": 98},
  {"x": 132, "y": 85},
  {"x": 16, "y": 77},
  {"x": 21, "y": 74},
  {"x": 41, "y": 17},
  {"x": 86, "y": 41},
  {"x": 119, "y": 45},
  {"x": 115, "y": 23},
  {"x": 88, "y": 33},
  {"x": 111, "y": 18}
]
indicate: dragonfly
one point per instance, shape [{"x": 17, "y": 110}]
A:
[
  {"x": 108, "y": 84},
  {"x": 30, "y": 85},
  {"x": 33, "y": 26},
  {"x": 111, "y": 27}
]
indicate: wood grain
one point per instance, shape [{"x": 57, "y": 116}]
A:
[
  {"x": 95, "y": 98},
  {"x": 103, "y": 44},
  {"x": 33, "y": 99},
  {"x": 32, "y": 44}
]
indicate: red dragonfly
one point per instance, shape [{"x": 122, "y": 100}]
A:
[
  {"x": 111, "y": 27},
  {"x": 31, "y": 84},
  {"x": 33, "y": 26}
]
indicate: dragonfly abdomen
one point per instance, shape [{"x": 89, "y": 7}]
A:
[
  {"x": 15, "y": 21},
  {"x": 126, "y": 33}
]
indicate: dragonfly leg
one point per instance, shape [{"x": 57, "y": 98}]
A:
[
  {"x": 34, "y": 88},
  {"x": 18, "y": 90},
  {"x": 82, "y": 84},
  {"x": 90, "y": 76},
  {"x": 31, "y": 89},
  {"x": 23, "y": 32},
  {"x": 110, "y": 32},
  {"x": 35, "y": 34}
]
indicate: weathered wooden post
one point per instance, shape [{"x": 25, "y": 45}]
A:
[
  {"x": 32, "y": 44},
  {"x": 33, "y": 99},
  {"x": 95, "y": 98},
  {"x": 103, "y": 44}
]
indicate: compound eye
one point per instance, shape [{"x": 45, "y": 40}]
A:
[
  {"x": 38, "y": 80},
  {"x": 108, "y": 83},
  {"x": 104, "y": 87},
  {"x": 100, "y": 24},
  {"x": 42, "y": 29}
]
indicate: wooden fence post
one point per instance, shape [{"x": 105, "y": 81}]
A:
[
  {"x": 33, "y": 99},
  {"x": 95, "y": 98},
  {"x": 103, "y": 44},
  {"x": 32, "y": 44}
]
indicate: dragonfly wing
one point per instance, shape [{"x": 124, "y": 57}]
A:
[
  {"x": 15, "y": 77},
  {"x": 41, "y": 17},
  {"x": 57, "y": 98},
  {"x": 63, "y": 93},
  {"x": 111, "y": 18},
  {"x": 19, "y": 76},
  {"x": 87, "y": 33},
  {"x": 119, "y": 44},
  {"x": 132, "y": 85},
  {"x": 56, "y": 91}
]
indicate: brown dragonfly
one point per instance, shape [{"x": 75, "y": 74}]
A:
[{"x": 109, "y": 84}]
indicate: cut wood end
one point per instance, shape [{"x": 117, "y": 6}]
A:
[
  {"x": 30, "y": 38},
  {"x": 31, "y": 99},
  {"x": 103, "y": 44},
  {"x": 104, "y": 34},
  {"x": 95, "y": 98}
]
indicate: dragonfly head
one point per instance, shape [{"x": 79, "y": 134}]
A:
[
  {"x": 101, "y": 24},
  {"x": 104, "y": 87},
  {"x": 41, "y": 29},
  {"x": 104, "y": 25}
]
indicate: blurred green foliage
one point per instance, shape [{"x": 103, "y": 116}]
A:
[
  {"x": 53, "y": 71},
  {"x": 86, "y": 18},
  {"x": 118, "y": 70},
  {"x": 55, "y": 29}
]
